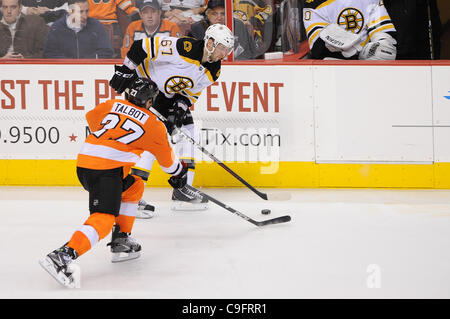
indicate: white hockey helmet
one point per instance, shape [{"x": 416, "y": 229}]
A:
[{"x": 221, "y": 35}]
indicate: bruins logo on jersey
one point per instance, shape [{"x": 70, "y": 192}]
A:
[
  {"x": 176, "y": 84},
  {"x": 352, "y": 19},
  {"x": 187, "y": 46}
]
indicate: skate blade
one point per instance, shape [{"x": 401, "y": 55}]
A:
[
  {"x": 60, "y": 277},
  {"x": 144, "y": 214},
  {"x": 119, "y": 257},
  {"x": 185, "y": 206}
]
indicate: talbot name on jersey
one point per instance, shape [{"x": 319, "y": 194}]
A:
[{"x": 130, "y": 111}]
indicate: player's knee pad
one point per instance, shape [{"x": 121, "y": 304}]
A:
[
  {"x": 134, "y": 193},
  {"x": 102, "y": 223}
]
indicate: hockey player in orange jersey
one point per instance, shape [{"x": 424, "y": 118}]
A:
[{"x": 121, "y": 131}]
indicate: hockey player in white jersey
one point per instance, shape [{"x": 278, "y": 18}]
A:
[
  {"x": 182, "y": 68},
  {"x": 355, "y": 29}
]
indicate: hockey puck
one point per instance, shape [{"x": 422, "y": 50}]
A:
[{"x": 265, "y": 211}]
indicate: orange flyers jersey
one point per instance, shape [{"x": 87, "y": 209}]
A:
[
  {"x": 105, "y": 10},
  {"x": 135, "y": 31},
  {"x": 121, "y": 131}
]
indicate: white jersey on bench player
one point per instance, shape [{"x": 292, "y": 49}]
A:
[{"x": 343, "y": 29}]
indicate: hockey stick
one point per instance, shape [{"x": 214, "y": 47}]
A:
[
  {"x": 276, "y": 220},
  {"x": 275, "y": 197}
]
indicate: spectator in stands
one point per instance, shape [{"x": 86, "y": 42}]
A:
[
  {"x": 49, "y": 10},
  {"x": 106, "y": 11},
  {"x": 214, "y": 13},
  {"x": 76, "y": 36},
  {"x": 411, "y": 19},
  {"x": 21, "y": 36},
  {"x": 244, "y": 46},
  {"x": 257, "y": 16},
  {"x": 184, "y": 12},
  {"x": 150, "y": 25}
]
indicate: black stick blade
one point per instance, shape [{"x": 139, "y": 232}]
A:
[{"x": 276, "y": 220}]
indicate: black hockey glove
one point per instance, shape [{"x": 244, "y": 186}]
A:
[
  {"x": 177, "y": 114},
  {"x": 122, "y": 78},
  {"x": 180, "y": 180}
]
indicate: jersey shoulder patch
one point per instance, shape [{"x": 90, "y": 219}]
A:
[
  {"x": 190, "y": 48},
  {"x": 313, "y": 4}
]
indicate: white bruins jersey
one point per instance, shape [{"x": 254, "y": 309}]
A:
[
  {"x": 174, "y": 64},
  {"x": 364, "y": 17}
]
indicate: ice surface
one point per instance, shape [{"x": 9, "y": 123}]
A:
[{"x": 326, "y": 251}]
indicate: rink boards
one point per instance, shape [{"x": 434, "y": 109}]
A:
[{"x": 307, "y": 124}]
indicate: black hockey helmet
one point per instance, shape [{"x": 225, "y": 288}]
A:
[{"x": 142, "y": 90}]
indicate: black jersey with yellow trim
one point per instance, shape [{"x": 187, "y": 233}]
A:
[
  {"x": 314, "y": 4},
  {"x": 192, "y": 48}
]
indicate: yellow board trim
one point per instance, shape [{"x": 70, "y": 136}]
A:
[{"x": 283, "y": 175}]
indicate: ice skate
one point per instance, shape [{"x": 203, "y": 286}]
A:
[
  {"x": 58, "y": 265},
  {"x": 145, "y": 210},
  {"x": 184, "y": 199},
  {"x": 123, "y": 247}
]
